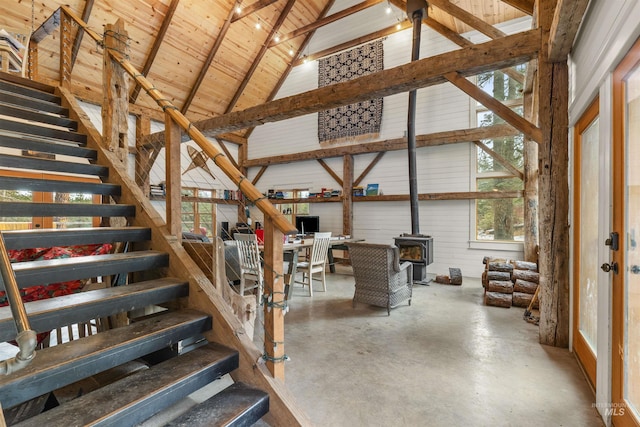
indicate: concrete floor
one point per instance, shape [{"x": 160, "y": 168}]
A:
[{"x": 446, "y": 360}]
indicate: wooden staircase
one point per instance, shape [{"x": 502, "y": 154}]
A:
[{"x": 166, "y": 342}]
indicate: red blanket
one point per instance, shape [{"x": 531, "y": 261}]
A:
[{"x": 34, "y": 293}]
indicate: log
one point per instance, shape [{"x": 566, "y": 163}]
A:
[
  {"x": 525, "y": 265},
  {"x": 456, "y": 276},
  {"x": 498, "y": 299},
  {"x": 503, "y": 286},
  {"x": 525, "y": 287},
  {"x": 521, "y": 299},
  {"x": 488, "y": 259},
  {"x": 500, "y": 266},
  {"x": 442, "y": 279},
  {"x": 529, "y": 276},
  {"x": 484, "y": 279},
  {"x": 498, "y": 275}
]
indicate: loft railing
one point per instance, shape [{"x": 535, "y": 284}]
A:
[
  {"x": 276, "y": 226},
  {"x": 26, "y": 337}
]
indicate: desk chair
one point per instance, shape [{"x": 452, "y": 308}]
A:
[
  {"x": 250, "y": 263},
  {"x": 317, "y": 261}
]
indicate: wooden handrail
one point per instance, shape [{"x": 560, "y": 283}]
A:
[{"x": 252, "y": 194}]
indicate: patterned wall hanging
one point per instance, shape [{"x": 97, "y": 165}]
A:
[{"x": 355, "y": 121}]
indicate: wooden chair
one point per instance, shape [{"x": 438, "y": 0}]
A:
[
  {"x": 249, "y": 262},
  {"x": 316, "y": 262}
]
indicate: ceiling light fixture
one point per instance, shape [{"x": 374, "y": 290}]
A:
[
  {"x": 291, "y": 52},
  {"x": 398, "y": 26},
  {"x": 277, "y": 38},
  {"x": 388, "y": 10},
  {"x": 258, "y": 25},
  {"x": 238, "y": 9}
]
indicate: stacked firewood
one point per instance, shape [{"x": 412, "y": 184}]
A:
[{"x": 509, "y": 282}]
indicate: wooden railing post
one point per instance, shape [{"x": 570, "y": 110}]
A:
[
  {"x": 32, "y": 65},
  {"x": 115, "y": 107},
  {"x": 173, "y": 186},
  {"x": 65, "y": 50},
  {"x": 143, "y": 155},
  {"x": 274, "y": 300}
]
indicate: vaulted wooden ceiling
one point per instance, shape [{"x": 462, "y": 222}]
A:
[{"x": 208, "y": 57}]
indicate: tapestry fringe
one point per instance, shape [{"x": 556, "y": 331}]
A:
[{"x": 350, "y": 140}]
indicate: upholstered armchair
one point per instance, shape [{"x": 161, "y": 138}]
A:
[{"x": 381, "y": 279}]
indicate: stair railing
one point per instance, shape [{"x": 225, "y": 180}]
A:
[
  {"x": 276, "y": 225},
  {"x": 26, "y": 337}
]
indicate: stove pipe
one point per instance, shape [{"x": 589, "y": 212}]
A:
[{"x": 415, "y": 10}]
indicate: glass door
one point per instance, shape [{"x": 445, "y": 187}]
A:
[
  {"x": 626, "y": 219},
  {"x": 586, "y": 239}
]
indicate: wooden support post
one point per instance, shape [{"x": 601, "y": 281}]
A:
[
  {"x": 65, "y": 50},
  {"x": 347, "y": 195},
  {"x": 553, "y": 189},
  {"x": 242, "y": 157},
  {"x": 274, "y": 289},
  {"x": 530, "y": 188},
  {"x": 115, "y": 108},
  {"x": 143, "y": 155},
  {"x": 173, "y": 184}
]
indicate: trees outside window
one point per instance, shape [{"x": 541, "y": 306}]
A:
[{"x": 499, "y": 219}]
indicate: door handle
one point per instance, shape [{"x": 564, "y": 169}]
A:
[
  {"x": 613, "y": 241},
  {"x": 607, "y": 267},
  {"x": 635, "y": 269}
]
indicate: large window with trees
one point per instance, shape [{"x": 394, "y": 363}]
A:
[{"x": 499, "y": 219}]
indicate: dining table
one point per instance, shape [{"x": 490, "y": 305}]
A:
[{"x": 291, "y": 255}]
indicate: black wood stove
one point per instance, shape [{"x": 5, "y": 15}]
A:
[{"x": 417, "y": 249}]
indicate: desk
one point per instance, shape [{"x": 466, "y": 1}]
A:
[{"x": 290, "y": 254}]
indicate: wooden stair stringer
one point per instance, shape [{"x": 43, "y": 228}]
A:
[{"x": 203, "y": 295}]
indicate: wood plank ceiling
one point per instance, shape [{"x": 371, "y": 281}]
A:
[{"x": 209, "y": 57}]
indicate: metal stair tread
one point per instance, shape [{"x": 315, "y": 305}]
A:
[
  {"x": 36, "y": 129},
  {"x": 8, "y": 160},
  {"x": 30, "y": 114},
  {"x": 237, "y": 405},
  {"x": 59, "y": 186},
  {"x": 135, "y": 398},
  {"x": 33, "y": 103},
  {"x": 58, "y": 366},
  {"x": 46, "y": 145},
  {"x": 46, "y": 314},
  {"x": 33, "y": 273},
  {"x": 22, "y": 239},
  {"x": 26, "y": 209},
  {"x": 26, "y": 88}
]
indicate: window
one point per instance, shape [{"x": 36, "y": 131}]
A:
[
  {"x": 198, "y": 211},
  {"x": 499, "y": 219}
]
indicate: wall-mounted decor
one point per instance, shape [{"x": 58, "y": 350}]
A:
[
  {"x": 198, "y": 160},
  {"x": 354, "y": 121}
]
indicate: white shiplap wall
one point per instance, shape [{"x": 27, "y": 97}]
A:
[{"x": 440, "y": 169}]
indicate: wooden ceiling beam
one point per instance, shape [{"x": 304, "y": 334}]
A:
[
  {"x": 427, "y": 140},
  {"x": 209, "y": 60},
  {"x": 525, "y": 6},
  {"x": 325, "y": 21},
  {"x": 507, "y": 114},
  {"x": 352, "y": 43},
  {"x": 497, "y": 54},
  {"x": 564, "y": 28},
  {"x": 86, "y": 14},
  {"x": 260, "y": 4},
  {"x": 263, "y": 50},
  {"x": 286, "y": 73},
  {"x": 468, "y": 18},
  {"x": 156, "y": 46}
]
